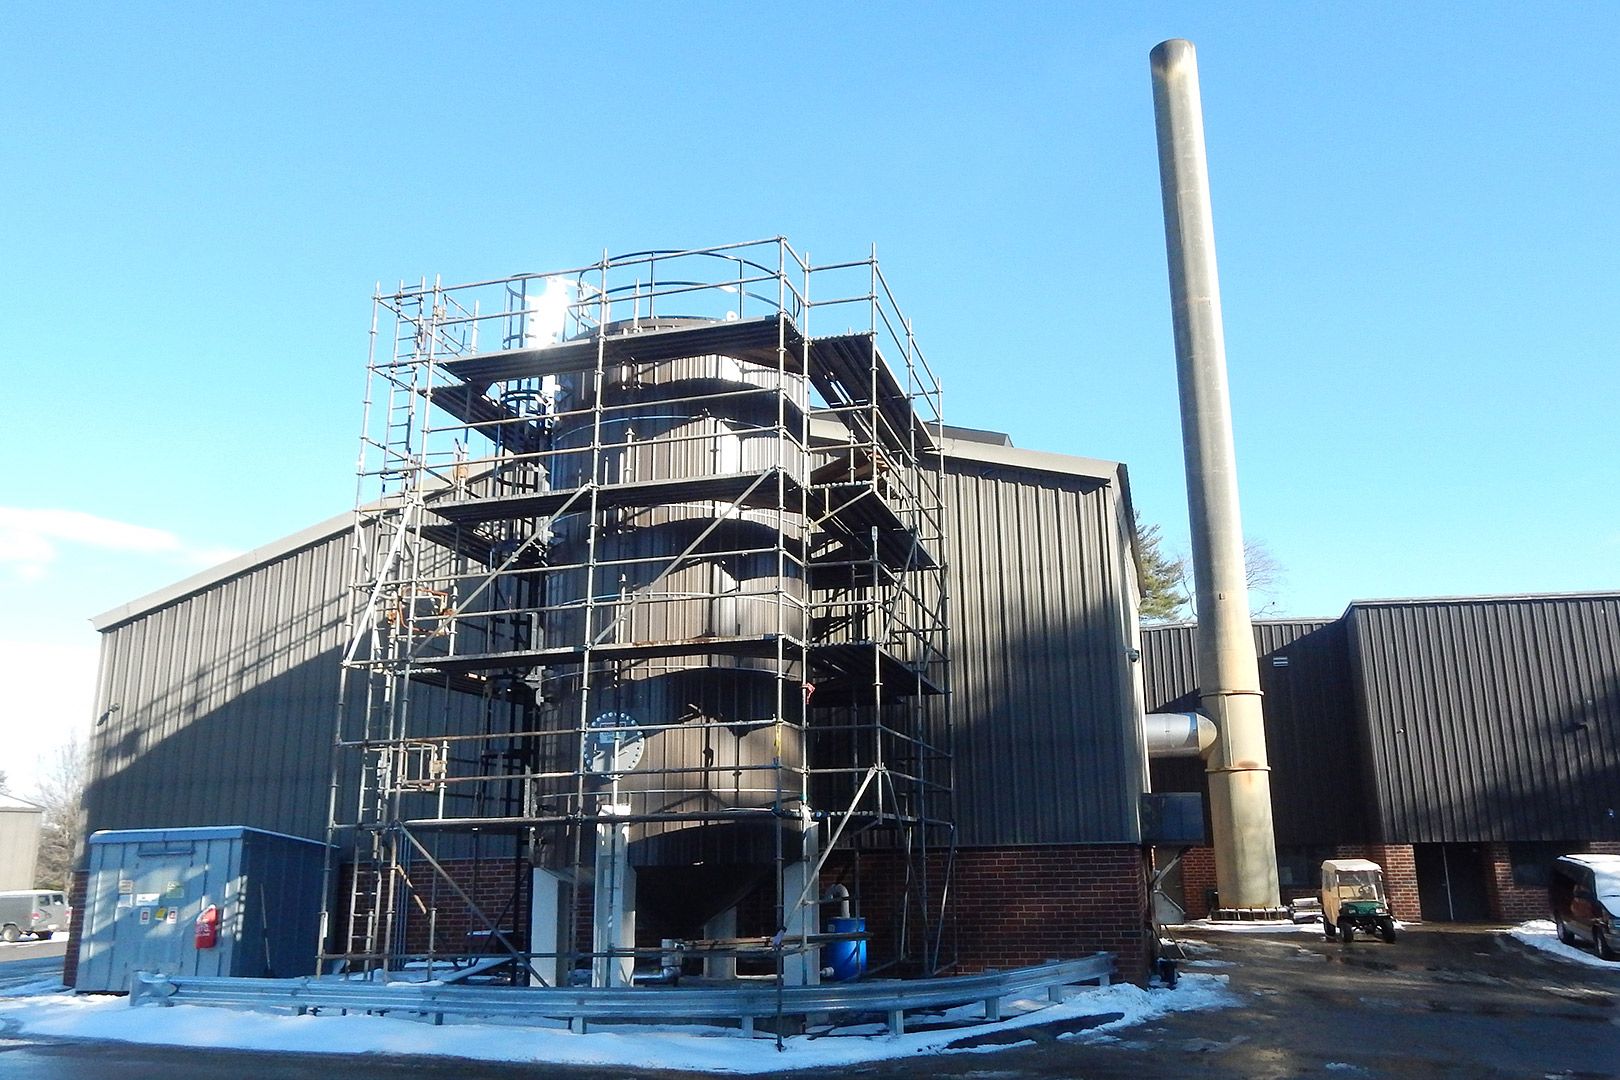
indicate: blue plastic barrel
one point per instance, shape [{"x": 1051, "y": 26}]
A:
[{"x": 846, "y": 958}]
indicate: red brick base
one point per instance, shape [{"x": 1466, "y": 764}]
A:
[
  {"x": 1017, "y": 906},
  {"x": 78, "y": 888},
  {"x": 452, "y": 926},
  {"x": 1012, "y": 907},
  {"x": 1009, "y": 906},
  {"x": 1197, "y": 881},
  {"x": 1513, "y": 902},
  {"x": 1510, "y": 901},
  {"x": 1400, "y": 876}
]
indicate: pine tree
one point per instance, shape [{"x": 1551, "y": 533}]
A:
[{"x": 1164, "y": 579}]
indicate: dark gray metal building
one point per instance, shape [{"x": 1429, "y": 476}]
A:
[
  {"x": 1463, "y": 741},
  {"x": 217, "y": 697}
]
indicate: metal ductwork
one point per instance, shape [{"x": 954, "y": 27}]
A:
[
  {"x": 1179, "y": 734},
  {"x": 1229, "y": 681}
]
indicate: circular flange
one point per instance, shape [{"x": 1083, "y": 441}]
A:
[{"x": 613, "y": 745}]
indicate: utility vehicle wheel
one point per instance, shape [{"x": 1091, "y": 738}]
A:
[
  {"x": 1347, "y": 931},
  {"x": 1327, "y": 929},
  {"x": 10, "y": 933},
  {"x": 1386, "y": 930},
  {"x": 1563, "y": 933},
  {"x": 1605, "y": 948}
]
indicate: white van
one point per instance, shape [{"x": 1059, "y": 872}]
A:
[{"x": 40, "y": 912}]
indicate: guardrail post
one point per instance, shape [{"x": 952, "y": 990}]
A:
[
  {"x": 992, "y": 1008},
  {"x": 748, "y": 1027},
  {"x": 897, "y": 1023}
]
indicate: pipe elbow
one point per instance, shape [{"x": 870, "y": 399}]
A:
[{"x": 1179, "y": 734}]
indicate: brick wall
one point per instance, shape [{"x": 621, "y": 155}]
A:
[
  {"x": 1197, "y": 879},
  {"x": 1510, "y": 901},
  {"x": 1513, "y": 902},
  {"x": 1400, "y": 876},
  {"x": 78, "y": 888},
  {"x": 448, "y": 922},
  {"x": 490, "y": 885},
  {"x": 1010, "y": 906},
  {"x": 1016, "y": 906}
]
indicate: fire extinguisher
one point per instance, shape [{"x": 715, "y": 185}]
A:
[{"x": 206, "y": 929}]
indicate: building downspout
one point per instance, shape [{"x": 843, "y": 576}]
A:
[{"x": 1228, "y": 678}]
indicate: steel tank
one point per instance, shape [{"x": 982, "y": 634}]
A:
[{"x": 681, "y": 734}]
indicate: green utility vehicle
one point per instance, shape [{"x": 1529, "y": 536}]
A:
[{"x": 1353, "y": 898}]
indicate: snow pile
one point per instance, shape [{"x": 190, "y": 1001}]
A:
[
  {"x": 673, "y": 1047},
  {"x": 1543, "y": 934},
  {"x": 49, "y": 985},
  {"x": 1254, "y": 927}
]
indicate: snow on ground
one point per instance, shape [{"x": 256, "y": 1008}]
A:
[
  {"x": 1543, "y": 934},
  {"x": 1275, "y": 926},
  {"x": 685, "y": 1047}
]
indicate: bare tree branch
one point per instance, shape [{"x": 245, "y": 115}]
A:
[
  {"x": 61, "y": 791},
  {"x": 1177, "y": 598}
]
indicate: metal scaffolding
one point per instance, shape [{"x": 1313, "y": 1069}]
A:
[{"x": 641, "y": 566}]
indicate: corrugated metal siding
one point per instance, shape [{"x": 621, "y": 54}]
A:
[
  {"x": 1317, "y": 770},
  {"x": 1047, "y": 742},
  {"x": 19, "y": 848},
  {"x": 224, "y": 704},
  {"x": 1492, "y": 719},
  {"x": 225, "y": 698}
]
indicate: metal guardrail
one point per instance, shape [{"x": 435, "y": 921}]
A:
[{"x": 578, "y": 1005}]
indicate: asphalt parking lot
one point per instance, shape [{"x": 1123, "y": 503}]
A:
[{"x": 1442, "y": 1002}]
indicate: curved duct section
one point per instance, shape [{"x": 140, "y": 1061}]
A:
[{"x": 1178, "y": 734}]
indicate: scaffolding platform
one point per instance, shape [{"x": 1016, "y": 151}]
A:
[
  {"x": 849, "y": 372},
  {"x": 760, "y": 647},
  {"x": 755, "y": 341},
  {"x": 754, "y": 491},
  {"x": 603, "y": 508}
]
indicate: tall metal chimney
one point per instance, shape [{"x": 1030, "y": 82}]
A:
[{"x": 1229, "y": 681}]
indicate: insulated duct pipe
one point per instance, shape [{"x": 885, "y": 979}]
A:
[
  {"x": 1178, "y": 734},
  {"x": 1229, "y": 681}
]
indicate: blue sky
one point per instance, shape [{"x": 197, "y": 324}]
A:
[{"x": 1414, "y": 214}]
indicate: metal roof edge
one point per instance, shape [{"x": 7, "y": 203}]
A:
[
  {"x": 191, "y": 832},
  {"x": 1269, "y": 620},
  {"x": 1036, "y": 460},
  {"x": 1589, "y": 594},
  {"x": 204, "y": 579}
]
